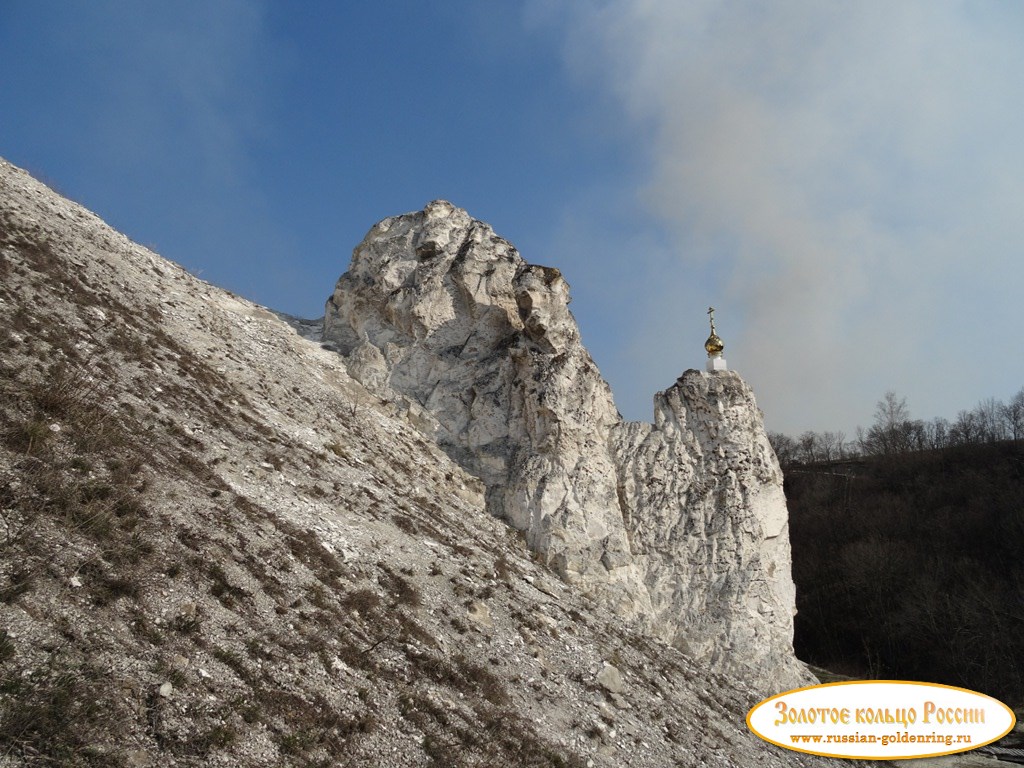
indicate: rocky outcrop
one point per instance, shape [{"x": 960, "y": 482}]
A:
[
  {"x": 439, "y": 310},
  {"x": 680, "y": 525},
  {"x": 701, "y": 493}
]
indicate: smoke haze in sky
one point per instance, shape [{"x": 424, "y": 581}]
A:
[{"x": 847, "y": 179}]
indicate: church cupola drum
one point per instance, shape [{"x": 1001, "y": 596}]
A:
[{"x": 714, "y": 347}]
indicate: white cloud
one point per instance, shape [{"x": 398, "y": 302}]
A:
[{"x": 854, "y": 174}]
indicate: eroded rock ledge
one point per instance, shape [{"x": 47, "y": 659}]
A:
[{"x": 680, "y": 525}]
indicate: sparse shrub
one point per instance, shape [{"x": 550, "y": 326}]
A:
[
  {"x": 502, "y": 568},
  {"x": 129, "y": 343},
  {"x": 18, "y": 583},
  {"x": 249, "y": 712},
  {"x": 80, "y": 464},
  {"x": 295, "y": 743},
  {"x": 190, "y": 539},
  {"x": 309, "y": 725},
  {"x": 356, "y": 656},
  {"x": 112, "y": 589},
  {"x": 458, "y": 625},
  {"x": 22, "y": 320},
  {"x": 57, "y": 714},
  {"x": 201, "y": 469},
  {"x": 95, "y": 518},
  {"x": 236, "y": 664},
  {"x": 28, "y": 436},
  {"x": 404, "y": 592},
  {"x": 129, "y": 552},
  {"x": 318, "y": 597},
  {"x": 223, "y": 589},
  {"x": 412, "y": 630},
  {"x": 94, "y": 492},
  {"x": 481, "y": 679},
  {"x": 129, "y": 510},
  {"x": 306, "y": 546},
  {"x": 149, "y": 632},
  {"x": 218, "y": 737},
  {"x": 338, "y": 450},
  {"x": 173, "y": 675},
  {"x": 405, "y": 523},
  {"x": 6, "y": 647},
  {"x": 187, "y": 623},
  {"x": 75, "y": 398},
  {"x": 363, "y": 600}
]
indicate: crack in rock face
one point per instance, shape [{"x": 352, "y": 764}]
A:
[{"x": 680, "y": 525}]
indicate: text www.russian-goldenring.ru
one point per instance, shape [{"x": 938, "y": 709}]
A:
[{"x": 885, "y": 739}]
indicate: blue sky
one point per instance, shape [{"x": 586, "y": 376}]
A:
[{"x": 843, "y": 181}]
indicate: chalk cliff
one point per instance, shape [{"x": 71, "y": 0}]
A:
[
  {"x": 680, "y": 525},
  {"x": 220, "y": 550}
]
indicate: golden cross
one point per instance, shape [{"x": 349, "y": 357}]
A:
[{"x": 711, "y": 314}]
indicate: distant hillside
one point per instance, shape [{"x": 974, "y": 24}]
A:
[{"x": 911, "y": 566}]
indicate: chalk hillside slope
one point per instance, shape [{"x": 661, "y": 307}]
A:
[{"x": 220, "y": 549}]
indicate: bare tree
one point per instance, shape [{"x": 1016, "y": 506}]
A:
[
  {"x": 831, "y": 445},
  {"x": 809, "y": 447},
  {"x": 892, "y": 432},
  {"x": 936, "y": 433},
  {"x": 784, "y": 447},
  {"x": 1013, "y": 416},
  {"x": 891, "y": 411},
  {"x": 916, "y": 434},
  {"x": 966, "y": 429},
  {"x": 990, "y": 419}
]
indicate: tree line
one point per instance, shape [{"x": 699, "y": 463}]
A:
[
  {"x": 908, "y": 561},
  {"x": 909, "y": 567},
  {"x": 894, "y": 432}
]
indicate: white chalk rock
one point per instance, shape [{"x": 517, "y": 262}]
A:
[{"x": 680, "y": 525}]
